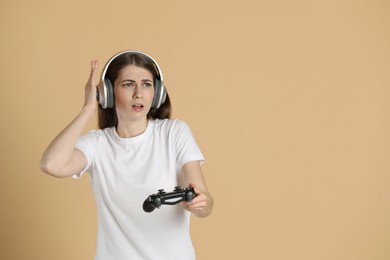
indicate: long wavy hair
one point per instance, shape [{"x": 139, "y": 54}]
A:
[{"x": 108, "y": 117}]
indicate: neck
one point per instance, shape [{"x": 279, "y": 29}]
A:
[{"x": 131, "y": 129}]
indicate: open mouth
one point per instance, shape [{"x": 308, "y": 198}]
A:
[{"x": 137, "y": 107}]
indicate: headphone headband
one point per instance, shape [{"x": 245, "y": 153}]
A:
[{"x": 158, "y": 70}]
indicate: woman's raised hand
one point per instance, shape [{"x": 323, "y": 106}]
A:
[{"x": 90, "y": 87}]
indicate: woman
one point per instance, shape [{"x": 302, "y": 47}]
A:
[{"x": 136, "y": 151}]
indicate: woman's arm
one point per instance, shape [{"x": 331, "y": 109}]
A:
[
  {"x": 202, "y": 205},
  {"x": 61, "y": 158}
]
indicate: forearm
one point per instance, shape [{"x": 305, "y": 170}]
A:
[
  {"x": 60, "y": 150},
  {"x": 202, "y": 205}
]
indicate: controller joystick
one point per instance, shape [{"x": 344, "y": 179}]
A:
[{"x": 168, "y": 198}]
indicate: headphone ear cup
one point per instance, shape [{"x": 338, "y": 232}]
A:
[
  {"x": 105, "y": 94},
  {"x": 110, "y": 93},
  {"x": 159, "y": 94}
]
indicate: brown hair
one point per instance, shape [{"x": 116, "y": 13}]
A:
[{"x": 108, "y": 117}]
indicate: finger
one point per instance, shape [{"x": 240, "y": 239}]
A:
[
  {"x": 94, "y": 65},
  {"x": 198, "y": 199},
  {"x": 195, "y": 207},
  {"x": 199, "y": 204}
]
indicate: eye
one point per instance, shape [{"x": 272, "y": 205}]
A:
[
  {"x": 148, "y": 84},
  {"x": 128, "y": 84}
]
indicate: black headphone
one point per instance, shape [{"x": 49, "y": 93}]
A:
[{"x": 105, "y": 93}]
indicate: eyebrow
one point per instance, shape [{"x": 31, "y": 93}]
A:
[{"x": 131, "y": 80}]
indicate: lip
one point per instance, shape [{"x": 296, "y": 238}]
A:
[{"x": 137, "y": 107}]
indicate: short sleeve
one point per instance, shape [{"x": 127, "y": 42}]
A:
[
  {"x": 85, "y": 147},
  {"x": 185, "y": 144}
]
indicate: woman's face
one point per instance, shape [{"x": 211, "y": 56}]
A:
[{"x": 134, "y": 91}]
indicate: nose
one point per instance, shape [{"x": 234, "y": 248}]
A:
[{"x": 137, "y": 92}]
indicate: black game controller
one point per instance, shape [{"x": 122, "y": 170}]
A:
[{"x": 162, "y": 197}]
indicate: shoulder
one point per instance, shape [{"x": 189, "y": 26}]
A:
[
  {"x": 97, "y": 134},
  {"x": 170, "y": 124},
  {"x": 175, "y": 129}
]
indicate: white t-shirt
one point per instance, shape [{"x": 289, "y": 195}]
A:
[{"x": 123, "y": 173}]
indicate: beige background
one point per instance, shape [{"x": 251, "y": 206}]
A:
[{"x": 287, "y": 99}]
